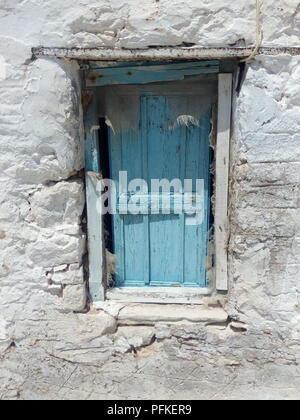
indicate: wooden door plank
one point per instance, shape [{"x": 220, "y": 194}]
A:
[
  {"x": 182, "y": 150},
  {"x": 222, "y": 181},
  {"x": 197, "y": 166},
  {"x": 164, "y": 163},
  {"x": 147, "y": 74},
  {"x": 145, "y": 176},
  {"x": 157, "y": 66},
  {"x": 93, "y": 189},
  {"x": 134, "y": 229},
  {"x": 95, "y": 234}
]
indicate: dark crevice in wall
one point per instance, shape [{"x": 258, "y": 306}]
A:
[
  {"x": 85, "y": 257},
  {"x": 243, "y": 68},
  {"x": 11, "y": 347},
  {"x": 219, "y": 324},
  {"x": 239, "y": 327},
  {"x": 73, "y": 176},
  {"x": 135, "y": 350},
  {"x": 109, "y": 257},
  {"x": 105, "y": 170}
]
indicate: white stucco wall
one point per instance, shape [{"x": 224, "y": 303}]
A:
[{"x": 47, "y": 350}]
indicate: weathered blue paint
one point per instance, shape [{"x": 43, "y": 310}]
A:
[
  {"x": 159, "y": 249},
  {"x": 155, "y": 65},
  {"x": 148, "y": 73}
]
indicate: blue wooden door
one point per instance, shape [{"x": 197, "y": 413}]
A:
[{"x": 161, "y": 249}]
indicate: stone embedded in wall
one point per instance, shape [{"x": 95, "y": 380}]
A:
[
  {"x": 59, "y": 204},
  {"x": 14, "y": 64},
  {"x": 256, "y": 175},
  {"x": 276, "y": 147},
  {"x": 281, "y": 22},
  {"x": 132, "y": 24},
  {"x": 127, "y": 339},
  {"x": 74, "y": 297},
  {"x": 68, "y": 275},
  {"x": 57, "y": 247},
  {"x": 267, "y": 196},
  {"x": 55, "y": 150},
  {"x": 55, "y": 289},
  {"x": 273, "y": 222}
]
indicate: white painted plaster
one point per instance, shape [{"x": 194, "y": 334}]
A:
[{"x": 46, "y": 350}]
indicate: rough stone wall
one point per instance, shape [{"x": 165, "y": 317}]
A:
[{"x": 48, "y": 349}]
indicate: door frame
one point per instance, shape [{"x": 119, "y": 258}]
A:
[{"x": 96, "y": 246}]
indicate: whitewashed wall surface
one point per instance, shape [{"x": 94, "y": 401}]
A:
[{"x": 50, "y": 347}]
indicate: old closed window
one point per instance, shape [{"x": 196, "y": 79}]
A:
[{"x": 150, "y": 164}]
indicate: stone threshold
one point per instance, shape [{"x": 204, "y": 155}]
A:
[
  {"x": 150, "y": 314},
  {"x": 159, "y": 295}
]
